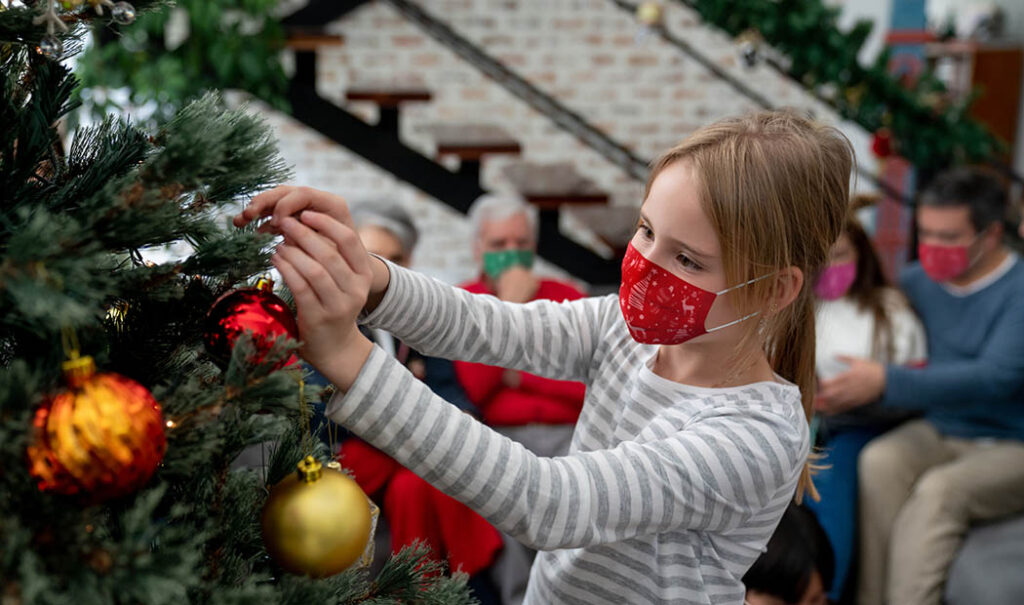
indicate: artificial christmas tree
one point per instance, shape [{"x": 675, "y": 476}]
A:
[{"x": 116, "y": 484}]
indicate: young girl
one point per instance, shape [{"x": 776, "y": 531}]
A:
[
  {"x": 859, "y": 315},
  {"x": 694, "y": 435}
]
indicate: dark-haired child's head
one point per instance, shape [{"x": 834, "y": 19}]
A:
[{"x": 797, "y": 566}]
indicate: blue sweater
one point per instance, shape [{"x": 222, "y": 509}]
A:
[{"x": 973, "y": 385}]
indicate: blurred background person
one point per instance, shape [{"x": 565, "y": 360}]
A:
[
  {"x": 925, "y": 483},
  {"x": 858, "y": 315}
]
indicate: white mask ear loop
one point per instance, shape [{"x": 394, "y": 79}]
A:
[
  {"x": 977, "y": 238},
  {"x": 737, "y": 287}
]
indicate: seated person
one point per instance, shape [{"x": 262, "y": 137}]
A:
[
  {"x": 538, "y": 412},
  {"x": 413, "y": 509},
  {"x": 923, "y": 484},
  {"x": 796, "y": 566},
  {"x": 858, "y": 315},
  {"x": 518, "y": 404}
]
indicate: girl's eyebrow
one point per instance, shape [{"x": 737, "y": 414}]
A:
[{"x": 686, "y": 248}]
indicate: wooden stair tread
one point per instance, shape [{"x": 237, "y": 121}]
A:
[
  {"x": 312, "y": 40},
  {"x": 472, "y": 141},
  {"x": 614, "y": 225},
  {"x": 552, "y": 185},
  {"x": 554, "y": 201},
  {"x": 388, "y": 94},
  {"x": 469, "y": 135}
]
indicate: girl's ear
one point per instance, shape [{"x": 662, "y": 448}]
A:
[{"x": 788, "y": 283}]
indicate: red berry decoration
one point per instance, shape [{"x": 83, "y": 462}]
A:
[
  {"x": 256, "y": 310},
  {"x": 102, "y": 438}
]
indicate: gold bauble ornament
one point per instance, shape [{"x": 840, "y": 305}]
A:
[
  {"x": 316, "y": 522},
  {"x": 649, "y": 14}
]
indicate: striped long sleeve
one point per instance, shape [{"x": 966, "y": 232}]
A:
[
  {"x": 550, "y": 339},
  {"x": 669, "y": 491}
]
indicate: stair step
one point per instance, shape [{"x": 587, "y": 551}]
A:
[
  {"x": 549, "y": 186},
  {"x": 388, "y": 96},
  {"x": 471, "y": 141},
  {"x": 299, "y": 40},
  {"x": 612, "y": 225}
]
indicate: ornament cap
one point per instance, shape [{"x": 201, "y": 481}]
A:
[
  {"x": 265, "y": 283},
  {"x": 78, "y": 370},
  {"x": 310, "y": 470}
]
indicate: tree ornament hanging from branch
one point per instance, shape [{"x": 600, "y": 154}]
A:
[
  {"x": 750, "y": 43},
  {"x": 257, "y": 310},
  {"x": 101, "y": 438},
  {"x": 317, "y": 522},
  {"x": 51, "y": 47}
]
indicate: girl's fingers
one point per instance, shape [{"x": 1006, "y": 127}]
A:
[
  {"x": 287, "y": 201},
  {"x": 345, "y": 238},
  {"x": 261, "y": 205},
  {"x": 324, "y": 250},
  {"x": 305, "y": 298},
  {"x": 304, "y": 198},
  {"x": 327, "y": 291}
]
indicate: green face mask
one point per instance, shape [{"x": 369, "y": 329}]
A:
[{"x": 496, "y": 263}]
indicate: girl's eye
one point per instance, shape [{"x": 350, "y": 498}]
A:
[
  {"x": 685, "y": 261},
  {"x": 645, "y": 231}
]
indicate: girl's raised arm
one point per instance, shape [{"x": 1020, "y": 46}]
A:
[
  {"x": 555, "y": 340},
  {"x": 332, "y": 276}
]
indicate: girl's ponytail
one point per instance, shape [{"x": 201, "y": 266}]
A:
[{"x": 791, "y": 353}]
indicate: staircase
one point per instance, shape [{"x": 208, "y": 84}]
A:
[
  {"x": 551, "y": 188},
  {"x": 472, "y": 144}
]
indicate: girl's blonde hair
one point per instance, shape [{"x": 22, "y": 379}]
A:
[{"x": 776, "y": 188}]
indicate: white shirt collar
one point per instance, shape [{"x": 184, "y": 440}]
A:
[{"x": 1003, "y": 268}]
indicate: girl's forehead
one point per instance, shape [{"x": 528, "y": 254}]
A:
[{"x": 674, "y": 208}]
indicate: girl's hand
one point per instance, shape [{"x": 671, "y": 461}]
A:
[
  {"x": 330, "y": 274},
  {"x": 282, "y": 202}
]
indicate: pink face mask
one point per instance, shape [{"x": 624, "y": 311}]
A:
[
  {"x": 835, "y": 281},
  {"x": 943, "y": 263},
  {"x": 662, "y": 309}
]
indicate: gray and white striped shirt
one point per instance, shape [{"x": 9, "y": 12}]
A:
[{"x": 669, "y": 491}]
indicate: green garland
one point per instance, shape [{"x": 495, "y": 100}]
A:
[
  {"x": 824, "y": 59},
  {"x": 229, "y": 44}
]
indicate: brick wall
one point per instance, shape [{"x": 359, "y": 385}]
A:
[{"x": 587, "y": 53}]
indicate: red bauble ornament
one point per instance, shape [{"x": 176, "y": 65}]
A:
[
  {"x": 256, "y": 310},
  {"x": 881, "y": 143},
  {"x": 102, "y": 438}
]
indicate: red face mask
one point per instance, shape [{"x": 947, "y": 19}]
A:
[
  {"x": 662, "y": 309},
  {"x": 943, "y": 263}
]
